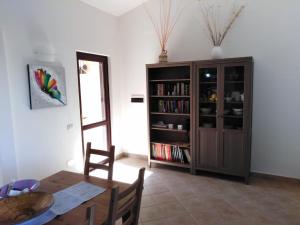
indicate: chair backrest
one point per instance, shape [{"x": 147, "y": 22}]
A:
[
  {"x": 106, "y": 164},
  {"x": 127, "y": 204}
]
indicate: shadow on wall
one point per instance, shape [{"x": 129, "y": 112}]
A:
[{"x": 8, "y": 166}]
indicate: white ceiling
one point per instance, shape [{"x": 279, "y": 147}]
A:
[{"x": 115, "y": 7}]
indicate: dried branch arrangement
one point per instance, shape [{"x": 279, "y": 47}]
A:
[
  {"x": 165, "y": 21},
  {"x": 216, "y": 22}
]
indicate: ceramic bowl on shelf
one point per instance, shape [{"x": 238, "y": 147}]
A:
[
  {"x": 228, "y": 99},
  {"x": 19, "y": 187},
  {"x": 226, "y": 111},
  {"x": 237, "y": 112},
  {"x": 205, "y": 110},
  {"x": 236, "y": 96}
]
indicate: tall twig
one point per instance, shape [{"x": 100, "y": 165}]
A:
[
  {"x": 167, "y": 19},
  {"x": 211, "y": 15}
]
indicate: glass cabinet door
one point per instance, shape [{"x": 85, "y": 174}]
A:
[
  {"x": 233, "y": 111},
  {"x": 208, "y": 97}
]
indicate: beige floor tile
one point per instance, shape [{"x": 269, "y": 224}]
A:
[
  {"x": 151, "y": 213},
  {"x": 184, "y": 219},
  {"x": 172, "y": 197},
  {"x": 147, "y": 201},
  {"x": 164, "y": 197}
]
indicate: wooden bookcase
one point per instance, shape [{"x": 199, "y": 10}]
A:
[
  {"x": 216, "y": 134},
  {"x": 169, "y": 106},
  {"x": 223, "y": 112}
]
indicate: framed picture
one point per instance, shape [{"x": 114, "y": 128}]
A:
[{"x": 47, "y": 86}]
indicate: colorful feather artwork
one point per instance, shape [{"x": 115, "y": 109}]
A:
[{"x": 47, "y": 85}]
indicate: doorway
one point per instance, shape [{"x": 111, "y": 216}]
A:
[{"x": 94, "y": 100}]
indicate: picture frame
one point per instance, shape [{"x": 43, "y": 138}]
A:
[{"x": 47, "y": 86}]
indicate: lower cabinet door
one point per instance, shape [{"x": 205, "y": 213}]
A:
[
  {"x": 207, "y": 152},
  {"x": 233, "y": 152}
]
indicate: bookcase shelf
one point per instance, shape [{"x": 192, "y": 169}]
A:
[
  {"x": 179, "y": 144},
  {"x": 170, "y": 80},
  {"x": 169, "y": 102},
  {"x": 182, "y": 165},
  {"x": 170, "y": 114},
  {"x": 170, "y": 96},
  {"x": 169, "y": 130}
]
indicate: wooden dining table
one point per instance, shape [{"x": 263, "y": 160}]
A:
[{"x": 77, "y": 216}]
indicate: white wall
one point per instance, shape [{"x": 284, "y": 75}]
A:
[
  {"x": 43, "y": 145},
  {"x": 267, "y": 30},
  {"x": 8, "y": 167},
  {"x": 38, "y": 140}
]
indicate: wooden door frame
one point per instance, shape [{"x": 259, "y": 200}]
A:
[{"x": 104, "y": 60}]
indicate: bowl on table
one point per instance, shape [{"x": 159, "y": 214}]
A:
[
  {"x": 20, "y": 208},
  {"x": 18, "y": 187}
]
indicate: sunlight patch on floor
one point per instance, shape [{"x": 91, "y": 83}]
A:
[{"x": 122, "y": 173}]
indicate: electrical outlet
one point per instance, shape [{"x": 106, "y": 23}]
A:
[{"x": 70, "y": 126}]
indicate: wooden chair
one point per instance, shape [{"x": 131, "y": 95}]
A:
[
  {"x": 90, "y": 215},
  {"x": 125, "y": 205},
  {"x": 106, "y": 164}
]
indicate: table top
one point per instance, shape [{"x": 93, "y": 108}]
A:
[{"x": 64, "y": 179}]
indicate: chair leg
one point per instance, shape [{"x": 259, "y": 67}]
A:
[
  {"x": 125, "y": 217},
  {"x": 90, "y": 215}
]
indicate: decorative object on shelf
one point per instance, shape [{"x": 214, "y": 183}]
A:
[
  {"x": 213, "y": 97},
  {"x": 21, "y": 208},
  {"x": 160, "y": 124},
  {"x": 47, "y": 86},
  {"x": 180, "y": 127},
  {"x": 226, "y": 111},
  {"x": 217, "y": 52},
  {"x": 214, "y": 13},
  {"x": 228, "y": 98},
  {"x": 238, "y": 112},
  {"x": 242, "y": 97},
  {"x": 171, "y": 126},
  {"x": 163, "y": 57},
  {"x": 164, "y": 22},
  {"x": 19, "y": 187},
  {"x": 236, "y": 96},
  {"x": 206, "y": 110}
]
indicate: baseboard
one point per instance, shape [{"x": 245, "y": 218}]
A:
[
  {"x": 275, "y": 177},
  {"x": 131, "y": 155},
  {"x": 120, "y": 156},
  {"x": 253, "y": 174}
]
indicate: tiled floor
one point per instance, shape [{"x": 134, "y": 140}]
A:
[{"x": 172, "y": 197}]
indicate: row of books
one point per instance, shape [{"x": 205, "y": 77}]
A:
[
  {"x": 170, "y": 153},
  {"x": 174, "y": 106},
  {"x": 177, "y": 89}
]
